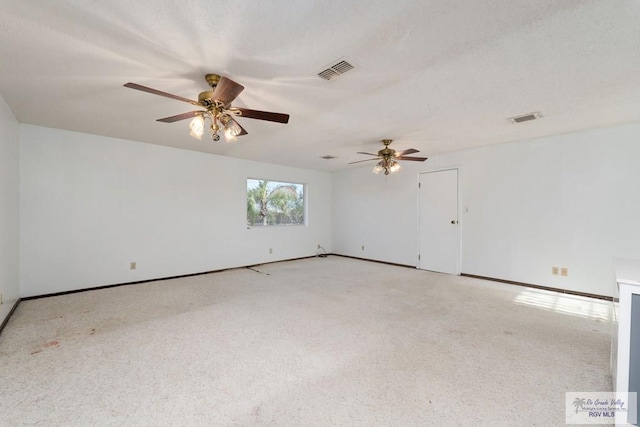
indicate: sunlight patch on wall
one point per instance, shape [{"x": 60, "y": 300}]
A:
[{"x": 572, "y": 305}]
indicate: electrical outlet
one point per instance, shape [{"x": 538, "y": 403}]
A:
[
  {"x": 270, "y": 250},
  {"x": 564, "y": 271},
  {"x": 555, "y": 271},
  {"x": 133, "y": 265}
]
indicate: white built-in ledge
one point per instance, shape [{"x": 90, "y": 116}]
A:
[{"x": 625, "y": 337}]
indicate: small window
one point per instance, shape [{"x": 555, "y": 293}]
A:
[{"x": 274, "y": 203}]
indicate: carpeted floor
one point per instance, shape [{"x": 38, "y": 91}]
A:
[{"x": 314, "y": 342}]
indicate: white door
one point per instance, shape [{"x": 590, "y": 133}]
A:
[{"x": 439, "y": 221}]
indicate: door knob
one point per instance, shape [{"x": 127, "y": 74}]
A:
[{"x": 454, "y": 221}]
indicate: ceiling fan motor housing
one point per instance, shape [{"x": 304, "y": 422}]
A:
[{"x": 207, "y": 95}]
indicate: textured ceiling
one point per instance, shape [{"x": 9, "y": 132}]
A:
[{"x": 437, "y": 75}]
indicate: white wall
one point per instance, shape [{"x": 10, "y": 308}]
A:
[
  {"x": 9, "y": 209},
  {"x": 570, "y": 200},
  {"x": 376, "y": 212},
  {"x": 90, "y": 205}
]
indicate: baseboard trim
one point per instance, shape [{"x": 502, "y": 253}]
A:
[
  {"x": 375, "y": 260},
  {"x": 115, "y": 285},
  {"x": 6, "y": 319},
  {"x": 545, "y": 288},
  {"x": 493, "y": 279},
  {"x": 182, "y": 276}
]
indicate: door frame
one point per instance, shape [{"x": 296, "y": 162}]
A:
[{"x": 460, "y": 224}]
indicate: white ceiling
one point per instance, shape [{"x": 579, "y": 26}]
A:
[{"x": 437, "y": 75}]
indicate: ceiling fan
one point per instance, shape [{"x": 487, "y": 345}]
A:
[
  {"x": 217, "y": 108},
  {"x": 387, "y": 158}
]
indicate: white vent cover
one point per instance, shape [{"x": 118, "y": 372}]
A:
[
  {"x": 525, "y": 118},
  {"x": 335, "y": 70}
]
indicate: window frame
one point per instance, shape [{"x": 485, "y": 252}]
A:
[{"x": 300, "y": 186}]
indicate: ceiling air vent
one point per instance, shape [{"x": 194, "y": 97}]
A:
[
  {"x": 335, "y": 70},
  {"x": 525, "y": 118}
]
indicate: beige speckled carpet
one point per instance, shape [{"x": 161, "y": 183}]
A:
[{"x": 314, "y": 342}]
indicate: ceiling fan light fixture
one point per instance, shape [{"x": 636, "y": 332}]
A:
[
  {"x": 230, "y": 136},
  {"x": 386, "y": 165},
  {"x": 197, "y": 127},
  {"x": 231, "y": 128}
]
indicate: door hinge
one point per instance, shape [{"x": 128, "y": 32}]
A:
[
  {"x": 418, "y": 185},
  {"x": 418, "y": 257}
]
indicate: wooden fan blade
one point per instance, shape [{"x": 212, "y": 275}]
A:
[
  {"x": 157, "y": 92},
  {"x": 408, "y": 151},
  {"x": 368, "y": 154},
  {"x": 415, "y": 159},
  {"x": 179, "y": 117},
  {"x": 360, "y": 161},
  {"x": 263, "y": 115},
  {"x": 227, "y": 90},
  {"x": 242, "y": 131}
]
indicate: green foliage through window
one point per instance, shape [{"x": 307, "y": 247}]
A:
[{"x": 274, "y": 203}]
